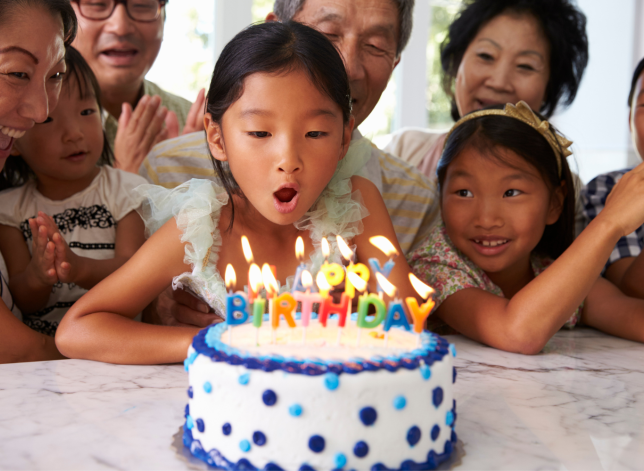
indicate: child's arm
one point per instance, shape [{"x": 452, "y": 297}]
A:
[
  {"x": 31, "y": 277},
  {"x": 628, "y": 273},
  {"x": 378, "y": 223},
  {"x": 87, "y": 272},
  {"x": 99, "y": 325}
]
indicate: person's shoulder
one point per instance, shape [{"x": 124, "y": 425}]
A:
[
  {"x": 412, "y": 144},
  {"x": 117, "y": 177},
  {"x": 606, "y": 181},
  {"x": 193, "y": 144}
]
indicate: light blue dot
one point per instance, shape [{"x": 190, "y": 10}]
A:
[
  {"x": 340, "y": 460},
  {"x": 449, "y": 418},
  {"x": 244, "y": 379},
  {"x": 244, "y": 445},
  {"x": 331, "y": 381},
  {"x": 452, "y": 349},
  {"x": 295, "y": 410},
  {"x": 207, "y": 387},
  {"x": 425, "y": 372},
  {"x": 400, "y": 402},
  {"x": 189, "y": 423},
  {"x": 190, "y": 360}
]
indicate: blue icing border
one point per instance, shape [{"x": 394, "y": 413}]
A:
[{"x": 208, "y": 342}]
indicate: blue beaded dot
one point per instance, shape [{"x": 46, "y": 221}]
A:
[
  {"x": 449, "y": 418},
  {"x": 454, "y": 375},
  {"x": 413, "y": 436},
  {"x": 361, "y": 449},
  {"x": 317, "y": 444},
  {"x": 340, "y": 460},
  {"x": 452, "y": 349},
  {"x": 190, "y": 392},
  {"x": 200, "y": 425},
  {"x": 436, "y": 430},
  {"x": 259, "y": 438},
  {"x": 244, "y": 379},
  {"x": 400, "y": 402},
  {"x": 189, "y": 423},
  {"x": 226, "y": 428},
  {"x": 244, "y": 445},
  {"x": 306, "y": 467},
  {"x": 295, "y": 410},
  {"x": 425, "y": 372},
  {"x": 187, "y": 411},
  {"x": 437, "y": 396},
  {"x": 453, "y": 438},
  {"x": 269, "y": 397},
  {"x": 368, "y": 415},
  {"x": 207, "y": 387},
  {"x": 331, "y": 381}
]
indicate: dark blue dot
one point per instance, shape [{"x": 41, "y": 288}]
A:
[
  {"x": 435, "y": 431},
  {"x": 454, "y": 375},
  {"x": 269, "y": 397},
  {"x": 437, "y": 397},
  {"x": 453, "y": 438},
  {"x": 361, "y": 449},
  {"x": 190, "y": 392},
  {"x": 226, "y": 429},
  {"x": 316, "y": 443},
  {"x": 368, "y": 415},
  {"x": 448, "y": 448},
  {"x": 200, "y": 425},
  {"x": 268, "y": 467},
  {"x": 413, "y": 436},
  {"x": 187, "y": 412},
  {"x": 306, "y": 467},
  {"x": 259, "y": 438}
]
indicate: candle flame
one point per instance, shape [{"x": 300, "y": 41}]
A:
[
  {"x": 248, "y": 253},
  {"x": 231, "y": 277},
  {"x": 325, "y": 247},
  {"x": 307, "y": 279},
  {"x": 255, "y": 278},
  {"x": 322, "y": 283},
  {"x": 299, "y": 248},
  {"x": 356, "y": 281},
  {"x": 384, "y": 245},
  {"x": 423, "y": 290},
  {"x": 269, "y": 280},
  {"x": 386, "y": 285},
  {"x": 346, "y": 252}
]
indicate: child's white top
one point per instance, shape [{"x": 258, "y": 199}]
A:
[{"x": 87, "y": 221}]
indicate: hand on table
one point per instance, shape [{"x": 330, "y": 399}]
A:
[{"x": 180, "y": 308}]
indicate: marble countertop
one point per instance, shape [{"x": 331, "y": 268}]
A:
[{"x": 579, "y": 405}]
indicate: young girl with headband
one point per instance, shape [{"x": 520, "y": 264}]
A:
[
  {"x": 278, "y": 124},
  {"x": 503, "y": 262}
]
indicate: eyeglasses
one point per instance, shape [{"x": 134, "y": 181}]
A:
[{"x": 138, "y": 10}]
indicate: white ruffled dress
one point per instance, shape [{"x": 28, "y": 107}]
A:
[{"x": 196, "y": 206}]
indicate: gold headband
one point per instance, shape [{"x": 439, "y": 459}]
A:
[{"x": 523, "y": 113}]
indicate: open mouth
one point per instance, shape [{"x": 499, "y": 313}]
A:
[
  {"x": 76, "y": 156},
  {"x": 285, "y": 199},
  {"x": 285, "y": 195},
  {"x": 120, "y": 52},
  {"x": 491, "y": 243}
]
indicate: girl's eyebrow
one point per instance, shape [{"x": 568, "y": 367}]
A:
[
  {"x": 268, "y": 113},
  {"x": 20, "y": 50}
]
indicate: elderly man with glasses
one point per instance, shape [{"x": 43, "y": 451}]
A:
[{"x": 120, "y": 39}]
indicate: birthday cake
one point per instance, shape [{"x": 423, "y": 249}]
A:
[{"x": 263, "y": 398}]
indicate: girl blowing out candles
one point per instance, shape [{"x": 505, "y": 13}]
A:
[{"x": 278, "y": 125}]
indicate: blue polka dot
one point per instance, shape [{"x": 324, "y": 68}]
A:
[
  {"x": 295, "y": 410},
  {"x": 368, "y": 415},
  {"x": 452, "y": 349},
  {"x": 331, "y": 381},
  {"x": 317, "y": 444},
  {"x": 361, "y": 449},
  {"x": 190, "y": 392},
  {"x": 189, "y": 423},
  {"x": 448, "y": 448},
  {"x": 306, "y": 467},
  {"x": 437, "y": 396},
  {"x": 449, "y": 418},
  {"x": 400, "y": 402},
  {"x": 425, "y": 372},
  {"x": 454, "y": 375},
  {"x": 244, "y": 445},
  {"x": 244, "y": 379},
  {"x": 200, "y": 425},
  {"x": 259, "y": 438},
  {"x": 187, "y": 411},
  {"x": 436, "y": 430},
  {"x": 413, "y": 436},
  {"x": 453, "y": 438},
  {"x": 207, "y": 387},
  {"x": 226, "y": 428},
  {"x": 340, "y": 460},
  {"x": 269, "y": 397}
]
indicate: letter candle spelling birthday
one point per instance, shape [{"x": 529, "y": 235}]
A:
[
  {"x": 396, "y": 313},
  {"x": 307, "y": 299},
  {"x": 363, "y": 305},
  {"x": 248, "y": 255},
  {"x": 389, "y": 250},
  {"x": 419, "y": 313},
  {"x": 236, "y": 304},
  {"x": 299, "y": 253}
]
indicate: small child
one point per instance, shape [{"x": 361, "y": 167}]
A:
[
  {"x": 65, "y": 223},
  {"x": 625, "y": 267},
  {"x": 504, "y": 264}
]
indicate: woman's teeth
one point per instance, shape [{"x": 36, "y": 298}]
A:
[
  {"x": 491, "y": 243},
  {"x": 15, "y": 133}
]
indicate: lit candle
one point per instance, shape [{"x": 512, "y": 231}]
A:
[
  {"x": 270, "y": 283},
  {"x": 236, "y": 304},
  {"x": 419, "y": 313},
  {"x": 283, "y": 305},
  {"x": 299, "y": 253},
  {"x": 396, "y": 313},
  {"x": 323, "y": 285},
  {"x": 248, "y": 255},
  {"x": 364, "y": 301},
  {"x": 333, "y": 272},
  {"x": 307, "y": 299},
  {"x": 358, "y": 268},
  {"x": 389, "y": 250},
  {"x": 253, "y": 288}
]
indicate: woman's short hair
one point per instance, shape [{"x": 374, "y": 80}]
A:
[
  {"x": 563, "y": 25},
  {"x": 62, "y": 8},
  {"x": 636, "y": 75}
]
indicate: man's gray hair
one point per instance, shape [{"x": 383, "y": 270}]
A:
[{"x": 285, "y": 10}]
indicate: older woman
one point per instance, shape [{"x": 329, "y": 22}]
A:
[
  {"x": 504, "y": 51},
  {"x": 32, "y": 50}
]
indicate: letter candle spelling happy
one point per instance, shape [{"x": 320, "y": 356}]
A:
[
  {"x": 389, "y": 250},
  {"x": 360, "y": 270},
  {"x": 419, "y": 313}
]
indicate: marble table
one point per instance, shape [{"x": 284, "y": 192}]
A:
[{"x": 579, "y": 405}]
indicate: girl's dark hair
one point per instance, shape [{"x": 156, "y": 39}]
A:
[
  {"x": 62, "y": 8},
  {"x": 274, "y": 47},
  {"x": 489, "y": 134},
  {"x": 16, "y": 172},
  {"x": 636, "y": 75},
  {"x": 563, "y": 25}
]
